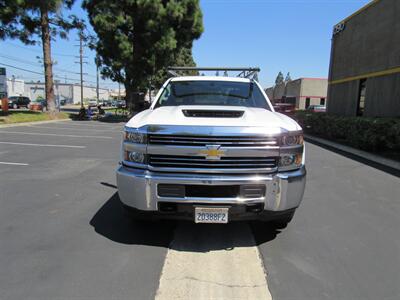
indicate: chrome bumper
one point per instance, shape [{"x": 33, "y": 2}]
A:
[{"x": 137, "y": 188}]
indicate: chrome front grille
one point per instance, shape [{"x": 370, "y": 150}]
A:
[
  {"x": 235, "y": 164},
  {"x": 231, "y": 141}
]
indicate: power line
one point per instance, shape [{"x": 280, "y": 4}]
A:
[
  {"x": 55, "y": 76},
  {"x": 38, "y": 51},
  {"x": 36, "y": 66},
  {"x": 22, "y": 69}
]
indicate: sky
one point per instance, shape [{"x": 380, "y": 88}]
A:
[{"x": 276, "y": 35}]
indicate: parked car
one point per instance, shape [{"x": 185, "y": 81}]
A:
[
  {"x": 18, "y": 102},
  {"x": 40, "y": 104},
  {"x": 92, "y": 103},
  {"x": 121, "y": 104},
  {"x": 108, "y": 103},
  {"x": 285, "y": 108},
  {"x": 212, "y": 150},
  {"x": 316, "y": 108}
]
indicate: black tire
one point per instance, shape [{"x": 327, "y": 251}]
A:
[
  {"x": 283, "y": 220},
  {"x": 15, "y": 106}
]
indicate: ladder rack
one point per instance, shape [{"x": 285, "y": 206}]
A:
[{"x": 243, "y": 72}]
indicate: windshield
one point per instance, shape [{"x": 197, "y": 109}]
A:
[{"x": 222, "y": 93}]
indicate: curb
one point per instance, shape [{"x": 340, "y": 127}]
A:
[
  {"x": 370, "y": 158},
  {"x": 32, "y": 123}
]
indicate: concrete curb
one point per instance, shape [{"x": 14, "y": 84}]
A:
[
  {"x": 33, "y": 123},
  {"x": 369, "y": 157}
]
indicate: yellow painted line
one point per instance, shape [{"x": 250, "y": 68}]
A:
[
  {"x": 359, "y": 11},
  {"x": 368, "y": 75}
]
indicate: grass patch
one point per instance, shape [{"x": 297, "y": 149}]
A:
[{"x": 30, "y": 116}]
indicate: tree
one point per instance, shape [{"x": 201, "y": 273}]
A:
[
  {"x": 288, "y": 78},
  {"x": 279, "y": 79},
  {"x": 32, "y": 21},
  {"x": 138, "y": 38},
  {"x": 181, "y": 58}
]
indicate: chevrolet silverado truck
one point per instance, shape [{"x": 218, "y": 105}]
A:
[{"x": 212, "y": 149}]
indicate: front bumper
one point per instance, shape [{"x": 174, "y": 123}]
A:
[{"x": 137, "y": 189}]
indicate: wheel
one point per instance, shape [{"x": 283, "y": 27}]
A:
[
  {"x": 283, "y": 221},
  {"x": 15, "y": 106}
]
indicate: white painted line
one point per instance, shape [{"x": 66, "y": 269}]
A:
[
  {"x": 11, "y": 163},
  {"x": 43, "y": 145},
  {"x": 61, "y": 135},
  {"x": 213, "y": 262},
  {"x": 76, "y": 129},
  {"x": 99, "y": 125}
]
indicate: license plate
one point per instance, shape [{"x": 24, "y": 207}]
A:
[{"x": 211, "y": 215}]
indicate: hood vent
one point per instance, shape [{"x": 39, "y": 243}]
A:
[{"x": 207, "y": 113}]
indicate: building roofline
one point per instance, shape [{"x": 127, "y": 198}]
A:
[
  {"x": 312, "y": 78},
  {"x": 365, "y": 7}
]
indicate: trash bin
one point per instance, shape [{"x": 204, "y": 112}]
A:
[{"x": 4, "y": 105}]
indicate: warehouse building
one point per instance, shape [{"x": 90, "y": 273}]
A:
[
  {"x": 364, "y": 76},
  {"x": 302, "y": 92},
  {"x": 71, "y": 93}
]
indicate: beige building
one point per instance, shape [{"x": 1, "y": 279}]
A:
[
  {"x": 302, "y": 92},
  {"x": 364, "y": 77}
]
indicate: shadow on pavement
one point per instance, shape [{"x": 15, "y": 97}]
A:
[
  {"x": 191, "y": 237},
  {"x": 110, "y": 222}
]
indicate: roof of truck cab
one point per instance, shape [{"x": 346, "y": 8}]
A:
[{"x": 210, "y": 78}]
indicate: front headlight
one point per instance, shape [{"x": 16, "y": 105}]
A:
[
  {"x": 291, "y": 160},
  {"x": 135, "y": 136},
  {"x": 136, "y": 157},
  {"x": 292, "y": 140}
]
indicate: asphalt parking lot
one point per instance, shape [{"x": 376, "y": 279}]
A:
[{"x": 62, "y": 234}]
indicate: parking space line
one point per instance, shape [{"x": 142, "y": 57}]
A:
[
  {"x": 99, "y": 125},
  {"x": 71, "y": 128},
  {"x": 43, "y": 145},
  {"x": 12, "y": 163},
  {"x": 61, "y": 135},
  {"x": 222, "y": 263}
]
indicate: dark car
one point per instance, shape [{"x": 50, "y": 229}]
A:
[
  {"x": 284, "y": 108},
  {"x": 316, "y": 108},
  {"x": 121, "y": 104},
  {"x": 18, "y": 101}
]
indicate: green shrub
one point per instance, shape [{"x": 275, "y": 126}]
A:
[{"x": 370, "y": 134}]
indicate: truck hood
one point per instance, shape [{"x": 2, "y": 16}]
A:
[{"x": 251, "y": 117}]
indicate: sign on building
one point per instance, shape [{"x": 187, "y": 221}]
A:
[{"x": 3, "y": 83}]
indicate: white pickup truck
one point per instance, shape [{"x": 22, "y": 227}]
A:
[{"x": 211, "y": 149}]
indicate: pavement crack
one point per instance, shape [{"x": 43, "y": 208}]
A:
[{"x": 218, "y": 283}]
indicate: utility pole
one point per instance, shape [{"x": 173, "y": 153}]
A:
[
  {"x": 119, "y": 91},
  {"x": 81, "y": 62},
  {"x": 97, "y": 83}
]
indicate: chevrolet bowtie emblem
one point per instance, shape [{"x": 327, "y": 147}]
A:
[{"x": 213, "y": 152}]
